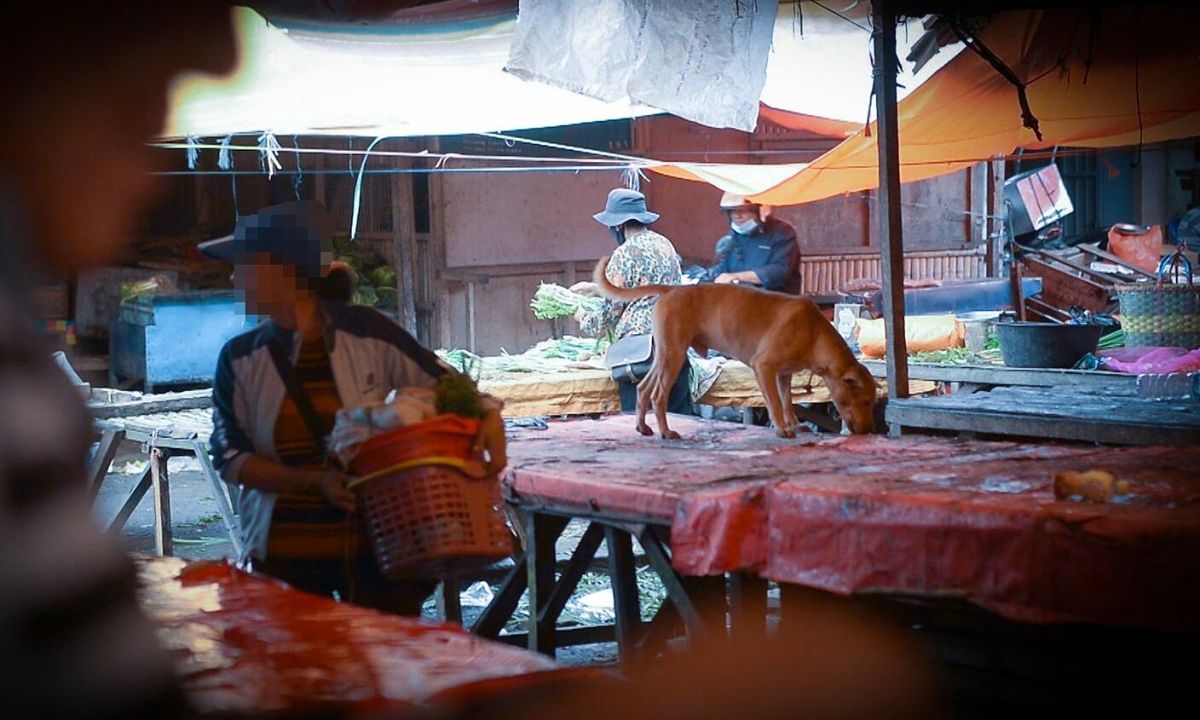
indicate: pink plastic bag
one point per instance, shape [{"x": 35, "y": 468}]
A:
[{"x": 1151, "y": 360}]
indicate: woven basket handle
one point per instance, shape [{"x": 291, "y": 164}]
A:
[{"x": 1171, "y": 264}]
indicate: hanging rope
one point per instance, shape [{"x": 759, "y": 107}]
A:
[
  {"x": 193, "y": 151},
  {"x": 358, "y": 189},
  {"x": 966, "y": 38},
  {"x": 224, "y": 156},
  {"x": 299, "y": 169},
  {"x": 225, "y": 162},
  {"x": 268, "y": 149},
  {"x": 632, "y": 177}
]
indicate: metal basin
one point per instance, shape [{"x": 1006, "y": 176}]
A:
[{"x": 1046, "y": 345}]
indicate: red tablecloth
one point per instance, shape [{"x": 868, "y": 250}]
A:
[
  {"x": 739, "y": 498},
  {"x": 245, "y": 644},
  {"x": 993, "y": 533}
]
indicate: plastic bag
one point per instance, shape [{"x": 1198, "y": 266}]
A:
[
  {"x": 922, "y": 333},
  {"x": 1139, "y": 361},
  {"x": 353, "y": 426},
  {"x": 1142, "y": 251}
]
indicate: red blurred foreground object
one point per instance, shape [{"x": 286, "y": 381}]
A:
[{"x": 248, "y": 645}]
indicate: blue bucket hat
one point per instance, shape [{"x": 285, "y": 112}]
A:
[
  {"x": 625, "y": 205},
  {"x": 299, "y": 234}
]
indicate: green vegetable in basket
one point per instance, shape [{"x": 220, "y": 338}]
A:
[
  {"x": 388, "y": 297},
  {"x": 458, "y": 395},
  {"x": 365, "y": 295},
  {"x": 383, "y": 276},
  {"x": 1112, "y": 340}
]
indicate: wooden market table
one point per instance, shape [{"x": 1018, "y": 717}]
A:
[
  {"x": 1105, "y": 413},
  {"x": 726, "y": 498},
  {"x": 968, "y": 525},
  {"x": 968, "y": 376},
  {"x": 589, "y": 391},
  {"x": 164, "y": 426},
  {"x": 248, "y": 646}
]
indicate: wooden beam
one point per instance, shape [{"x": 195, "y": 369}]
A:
[
  {"x": 404, "y": 249},
  {"x": 891, "y": 236}
]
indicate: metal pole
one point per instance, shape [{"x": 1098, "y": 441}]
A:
[{"x": 891, "y": 242}]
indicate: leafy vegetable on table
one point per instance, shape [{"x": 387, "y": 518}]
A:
[
  {"x": 554, "y": 301},
  {"x": 547, "y": 356}
]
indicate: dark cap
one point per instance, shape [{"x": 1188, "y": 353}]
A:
[{"x": 299, "y": 234}]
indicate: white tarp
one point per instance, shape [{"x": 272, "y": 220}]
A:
[
  {"x": 448, "y": 78},
  {"x": 704, "y": 60},
  {"x": 442, "y": 80}
]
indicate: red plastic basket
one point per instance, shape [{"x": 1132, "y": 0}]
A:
[{"x": 425, "y": 516}]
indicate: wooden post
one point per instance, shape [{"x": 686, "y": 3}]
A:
[
  {"x": 996, "y": 209},
  {"x": 626, "y": 604},
  {"x": 891, "y": 240},
  {"x": 449, "y": 601},
  {"x": 471, "y": 316},
  {"x": 439, "y": 292},
  {"x": 162, "y": 502},
  {"x": 542, "y": 532},
  {"x": 977, "y": 222},
  {"x": 404, "y": 249}
]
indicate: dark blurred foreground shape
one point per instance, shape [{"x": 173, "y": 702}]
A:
[{"x": 85, "y": 88}]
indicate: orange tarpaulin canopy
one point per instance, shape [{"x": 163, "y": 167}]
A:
[{"x": 1104, "y": 78}]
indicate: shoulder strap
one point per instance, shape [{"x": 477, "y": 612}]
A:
[{"x": 296, "y": 391}]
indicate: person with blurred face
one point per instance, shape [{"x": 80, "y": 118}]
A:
[
  {"x": 642, "y": 257},
  {"x": 85, "y": 89},
  {"x": 759, "y": 249},
  {"x": 277, "y": 390}
]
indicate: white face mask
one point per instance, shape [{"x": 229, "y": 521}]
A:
[{"x": 743, "y": 228}]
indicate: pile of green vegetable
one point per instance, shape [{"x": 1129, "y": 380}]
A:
[
  {"x": 554, "y": 301},
  {"x": 457, "y": 394},
  {"x": 989, "y": 355},
  {"x": 133, "y": 289},
  {"x": 374, "y": 278},
  {"x": 545, "y": 357},
  {"x": 1112, "y": 340}
]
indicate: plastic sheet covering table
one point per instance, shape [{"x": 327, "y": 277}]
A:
[
  {"x": 248, "y": 645},
  {"x": 927, "y": 516},
  {"x": 585, "y": 391},
  {"x": 991, "y": 531},
  {"x": 710, "y": 487}
]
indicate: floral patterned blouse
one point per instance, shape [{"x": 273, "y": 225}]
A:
[{"x": 646, "y": 258}]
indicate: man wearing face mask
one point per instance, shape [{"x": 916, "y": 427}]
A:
[
  {"x": 642, "y": 257},
  {"x": 759, "y": 250}
]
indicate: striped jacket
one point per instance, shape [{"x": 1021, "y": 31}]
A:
[{"x": 369, "y": 354}]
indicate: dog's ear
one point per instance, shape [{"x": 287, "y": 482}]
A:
[{"x": 852, "y": 380}]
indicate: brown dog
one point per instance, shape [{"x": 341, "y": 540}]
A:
[{"x": 775, "y": 334}]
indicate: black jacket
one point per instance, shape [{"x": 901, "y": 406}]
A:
[{"x": 770, "y": 251}]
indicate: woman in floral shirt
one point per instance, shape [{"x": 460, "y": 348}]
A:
[{"x": 642, "y": 257}]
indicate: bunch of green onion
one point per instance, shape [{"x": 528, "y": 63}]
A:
[{"x": 554, "y": 301}]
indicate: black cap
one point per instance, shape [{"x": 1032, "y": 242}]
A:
[{"x": 297, "y": 233}]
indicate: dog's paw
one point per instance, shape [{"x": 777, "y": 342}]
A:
[
  {"x": 644, "y": 429},
  {"x": 671, "y": 435},
  {"x": 784, "y": 432}
]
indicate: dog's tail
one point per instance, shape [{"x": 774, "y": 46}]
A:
[{"x": 624, "y": 294}]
